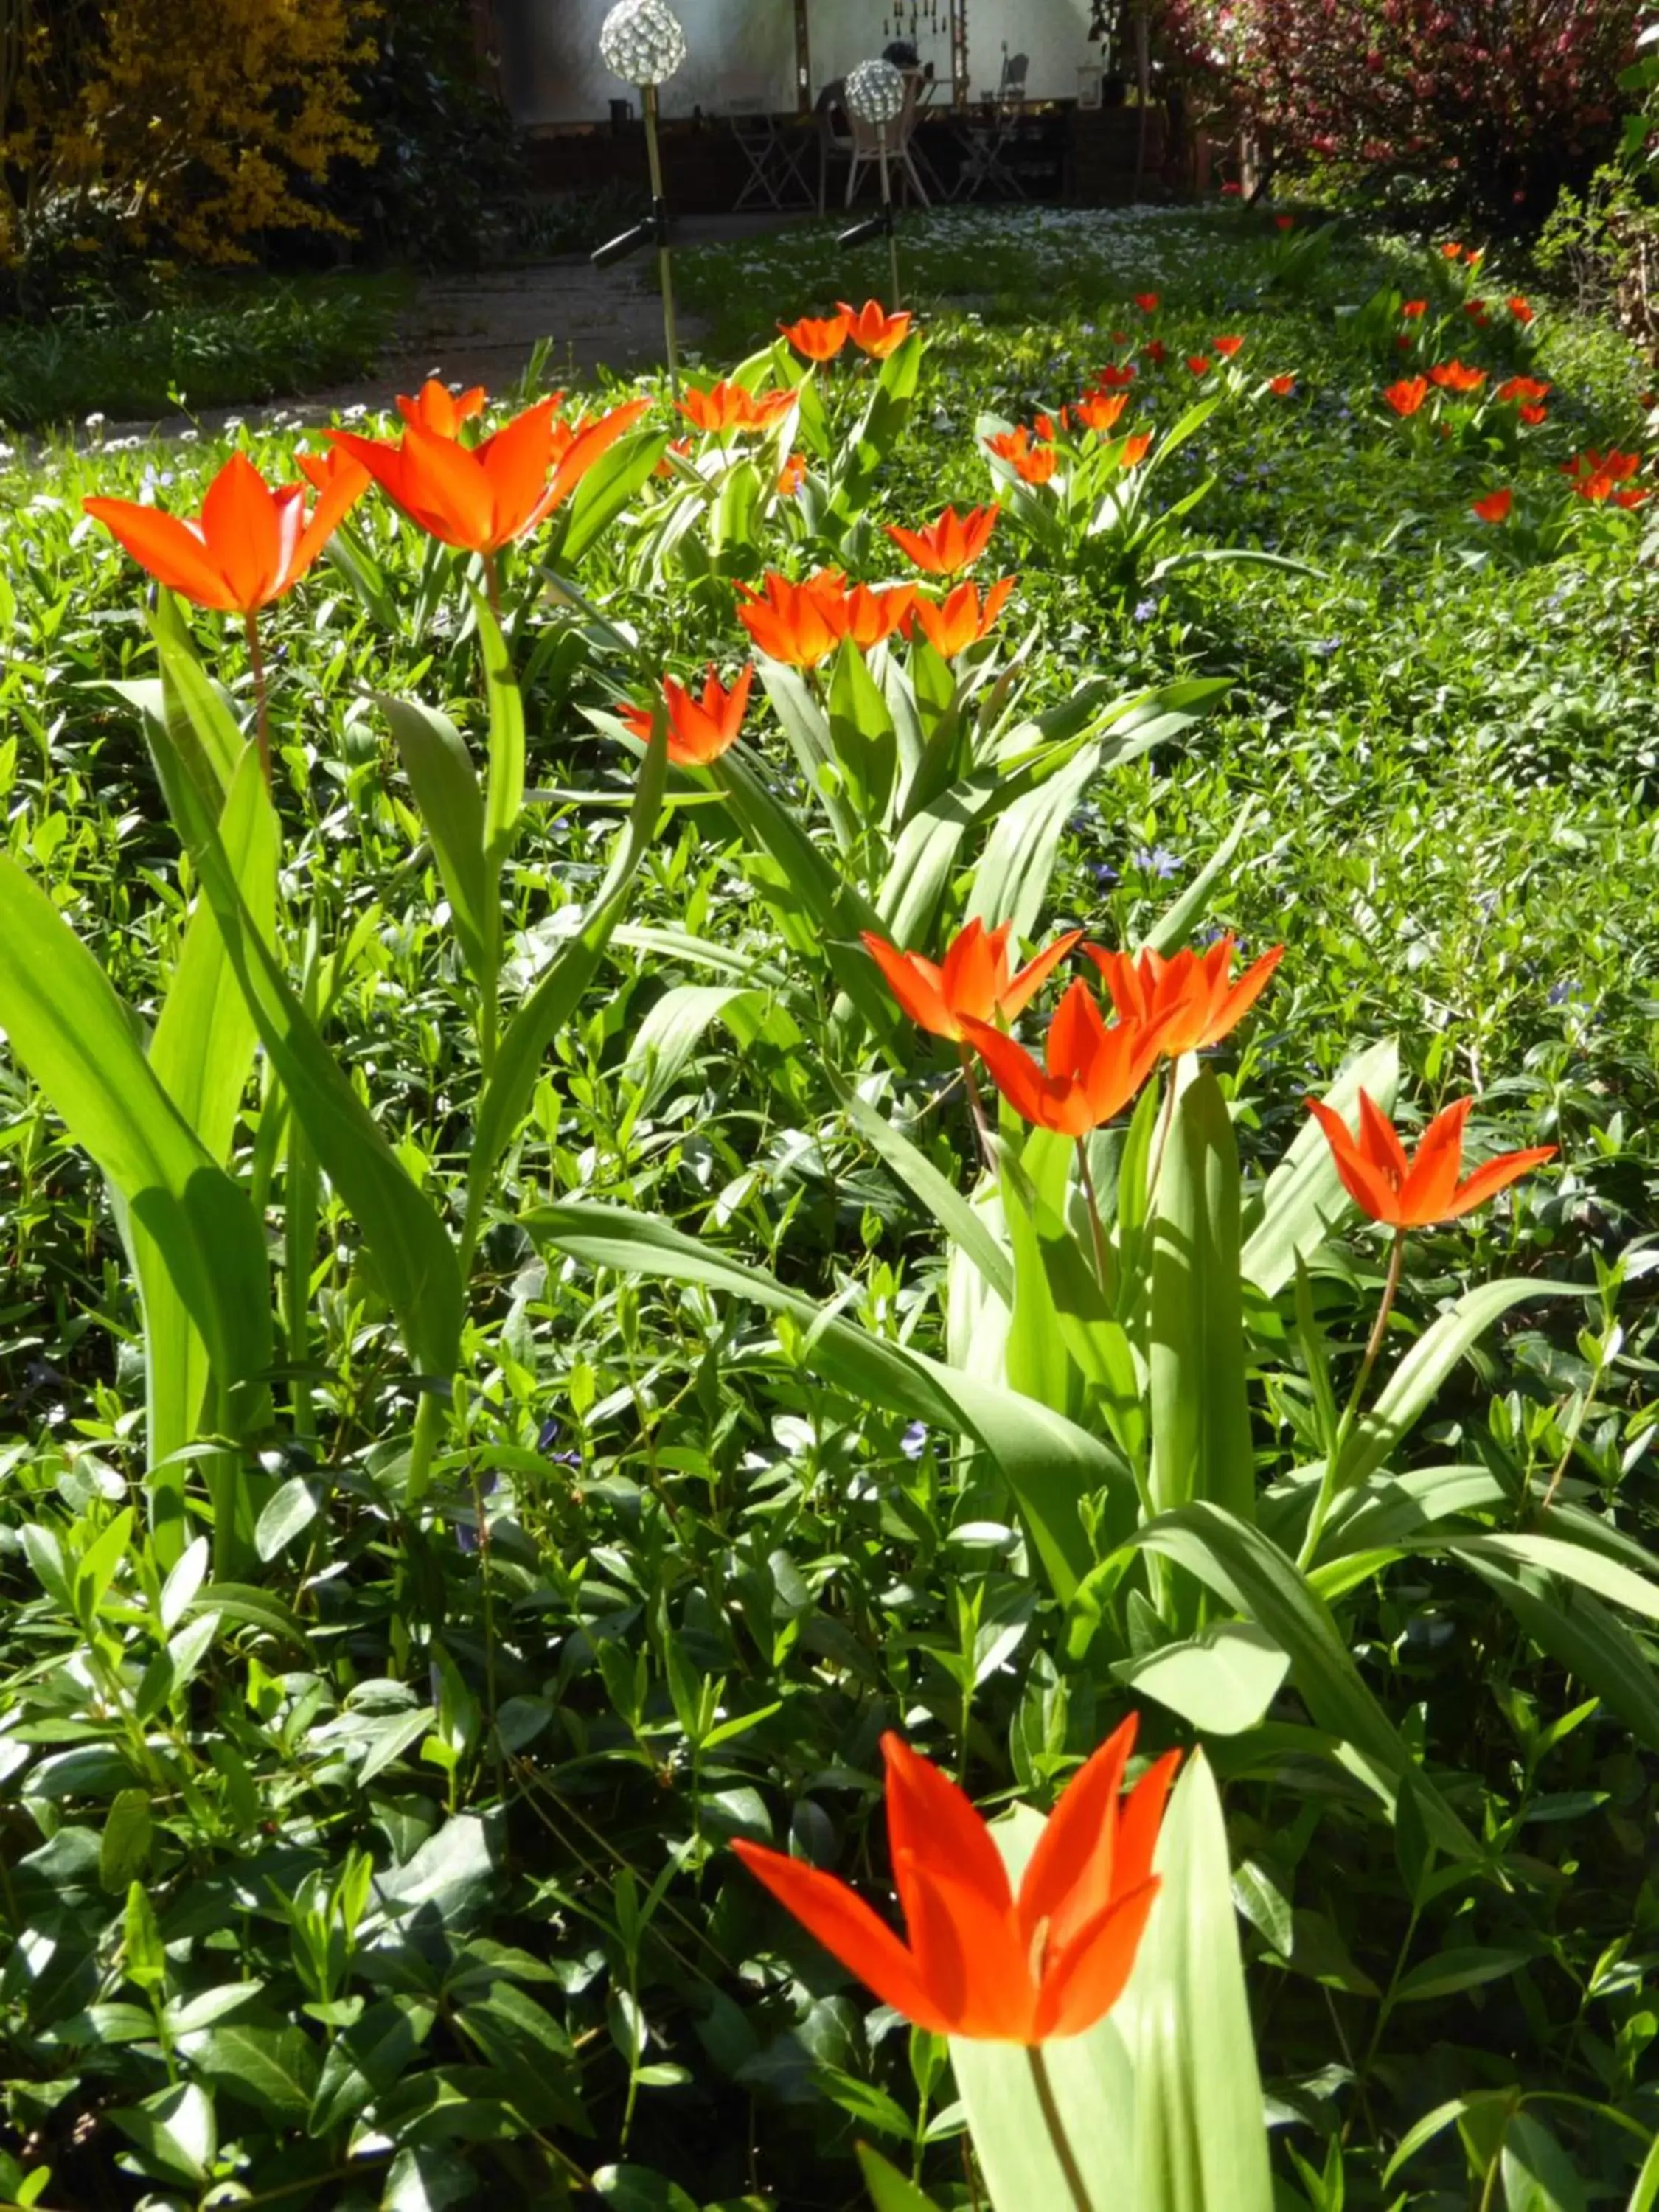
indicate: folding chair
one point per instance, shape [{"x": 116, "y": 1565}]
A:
[{"x": 866, "y": 147}]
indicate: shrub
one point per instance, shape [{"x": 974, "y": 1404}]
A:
[
  {"x": 181, "y": 126},
  {"x": 1508, "y": 100}
]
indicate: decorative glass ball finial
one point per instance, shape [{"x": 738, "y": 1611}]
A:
[
  {"x": 642, "y": 42},
  {"x": 875, "y": 92}
]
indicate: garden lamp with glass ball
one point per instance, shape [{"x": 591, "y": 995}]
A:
[
  {"x": 642, "y": 42},
  {"x": 874, "y": 93}
]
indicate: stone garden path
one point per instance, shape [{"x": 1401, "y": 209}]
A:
[{"x": 484, "y": 329}]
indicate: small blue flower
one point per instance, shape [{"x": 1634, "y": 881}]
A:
[
  {"x": 1107, "y": 876},
  {"x": 1568, "y": 994},
  {"x": 914, "y": 1443},
  {"x": 1156, "y": 861},
  {"x": 1146, "y": 609},
  {"x": 545, "y": 1444}
]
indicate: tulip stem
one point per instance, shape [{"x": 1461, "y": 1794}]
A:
[
  {"x": 1057, "y": 2135},
  {"x": 255, "y": 653},
  {"x": 1099, "y": 1233},
  {"x": 493, "y": 586},
  {"x": 1327, "y": 1496},
  {"x": 976, "y": 1106}
]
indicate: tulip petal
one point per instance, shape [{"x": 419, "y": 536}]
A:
[
  {"x": 1138, "y": 1821},
  {"x": 238, "y": 521},
  {"x": 1034, "y": 1096},
  {"x": 1076, "y": 1035},
  {"x": 1088, "y": 1978},
  {"x": 596, "y": 439},
  {"x": 1379, "y": 1141},
  {"x": 976, "y": 1940},
  {"x": 1370, "y": 1190},
  {"x": 1495, "y": 1176},
  {"x": 974, "y": 969},
  {"x": 1017, "y": 994},
  {"x": 1069, "y": 1876},
  {"x": 338, "y": 489},
  {"x": 1432, "y": 1177},
  {"x": 844, "y": 1924},
  {"x": 1236, "y": 1003},
  {"x": 927, "y": 1815},
  {"x": 169, "y": 549},
  {"x": 915, "y": 982},
  {"x": 1126, "y": 981},
  {"x": 449, "y": 490}
]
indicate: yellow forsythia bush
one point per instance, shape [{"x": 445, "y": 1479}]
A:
[{"x": 185, "y": 124}]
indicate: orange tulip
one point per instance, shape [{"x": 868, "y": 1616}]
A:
[
  {"x": 1532, "y": 416},
  {"x": 982, "y": 1961},
  {"x": 803, "y": 624},
  {"x": 1200, "y": 363},
  {"x": 1147, "y": 302},
  {"x": 1226, "y": 347},
  {"x": 1620, "y": 467},
  {"x": 1457, "y": 376},
  {"x": 1099, "y": 410},
  {"x": 1413, "y": 308},
  {"x": 869, "y": 616},
  {"x": 1495, "y": 507},
  {"x": 1050, "y": 427},
  {"x": 873, "y": 331},
  {"x": 1090, "y": 1073},
  {"x": 1416, "y": 1193},
  {"x": 791, "y": 476},
  {"x": 1523, "y": 387},
  {"x": 725, "y": 408},
  {"x": 698, "y": 731},
  {"x": 1520, "y": 308},
  {"x": 1283, "y": 385},
  {"x": 441, "y": 410},
  {"x": 1407, "y": 396},
  {"x": 951, "y": 544},
  {"x": 973, "y": 981},
  {"x": 484, "y": 498},
  {"x": 251, "y": 543},
  {"x": 1037, "y": 468},
  {"x": 793, "y": 622},
  {"x": 1134, "y": 451},
  {"x": 1190, "y": 998},
  {"x": 951, "y": 627},
  {"x": 818, "y": 339},
  {"x": 1013, "y": 445},
  {"x": 1452, "y": 251}
]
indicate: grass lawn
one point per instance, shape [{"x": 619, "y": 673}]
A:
[
  {"x": 225, "y": 341},
  {"x": 632, "y": 1396}
]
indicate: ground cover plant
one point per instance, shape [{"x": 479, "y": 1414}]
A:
[
  {"x": 555, "y": 1327},
  {"x": 147, "y": 353}
]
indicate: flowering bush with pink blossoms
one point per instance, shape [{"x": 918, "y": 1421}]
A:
[{"x": 1507, "y": 99}]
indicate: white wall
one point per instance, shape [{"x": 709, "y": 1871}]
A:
[
  {"x": 551, "y": 71},
  {"x": 746, "y": 49}
]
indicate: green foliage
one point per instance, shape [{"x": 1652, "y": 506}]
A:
[{"x": 376, "y": 1858}]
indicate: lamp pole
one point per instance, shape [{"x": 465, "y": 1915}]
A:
[
  {"x": 642, "y": 42},
  {"x": 665, "y": 258}
]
